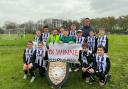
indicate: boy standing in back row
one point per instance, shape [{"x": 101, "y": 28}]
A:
[
  {"x": 44, "y": 36},
  {"x": 102, "y": 39}
]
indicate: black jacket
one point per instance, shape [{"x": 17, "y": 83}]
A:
[{"x": 89, "y": 58}]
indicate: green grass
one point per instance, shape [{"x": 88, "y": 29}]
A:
[{"x": 11, "y": 74}]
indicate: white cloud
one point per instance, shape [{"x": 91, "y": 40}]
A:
[
  {"x": 109, "y": 7},
  {"x": 24, "y": 10}
]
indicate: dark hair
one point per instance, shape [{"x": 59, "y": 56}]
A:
[
  {"x": 100, "y": 46},
  {"x": 61, "y": 27},
  {"x": 92, "y": 31},
  {"x": 46, "y": 26},
  {"x": 87, "y": 18},
  {"x": 66, "y": 29},
  {"x": 73, "y": 24},
  {"x": 30, "y": 42},
  {"x": 41, "y": 43},
  {"x": 85, "y": 45},
  {"x": 55, "y": 29}
]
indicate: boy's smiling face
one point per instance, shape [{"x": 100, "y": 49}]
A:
[
  {"x": 91, "y": 33},
  {"x": 46, "y": 30},
  {"x": 29, "y": 45},
  {"x": 100, "y": 51},
  {"x": 65, "y": 33},
  {"x": 55, "y": 32},
  {"x": 61, "y": 30},
  {"x": 84, "y": 47},
  {"x": 79, "y": 34},
  {"x": 40, "y": 45},
  {"x": 101, "y": 32},
  {"x": 73, "y": 27}
]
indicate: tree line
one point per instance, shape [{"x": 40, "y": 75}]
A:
[{"x": 111, "y": 23}]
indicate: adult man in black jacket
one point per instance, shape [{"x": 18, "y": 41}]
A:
[{"x": 87, "y": 27}]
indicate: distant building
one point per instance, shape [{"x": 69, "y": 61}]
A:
[
  {"x": 54, "y": 23},
  {"x": 39, "y": 24}
]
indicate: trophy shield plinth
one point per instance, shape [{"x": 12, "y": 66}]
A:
[{"x": 57, "y": 73}]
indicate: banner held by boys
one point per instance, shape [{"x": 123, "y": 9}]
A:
[{"x": 64, "y": 52}]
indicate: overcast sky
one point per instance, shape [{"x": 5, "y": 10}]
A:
[{"x": 23, "y": 10}]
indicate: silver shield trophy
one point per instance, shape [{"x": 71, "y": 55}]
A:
[{"x": 57, "y": 73}]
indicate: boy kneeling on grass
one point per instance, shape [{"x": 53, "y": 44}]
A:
[
  {"x": 102, "y": 66},
  {"x": 86, "y": 59},
  {"x": 38, "y": 60},
  {"x": 27, "y": 62}
]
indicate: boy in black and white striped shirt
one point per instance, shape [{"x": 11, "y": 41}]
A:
[
  {"x": 102, "y": 65},
  {"x": 79, "y": 38},
  {"x": 86, "y": 60},
  {"x": 44, "y": 36},
  {"x": 102, "y": 39},
  {"x": 36, "y": 39},
  {"x": 39, "y": 57},
  {"x": 92, "y": 42},
  {"x": 27, "y": 61},
  {"x": 73, "y": 31}
]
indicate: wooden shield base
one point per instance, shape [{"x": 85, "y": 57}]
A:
[{"x": 57, "y": 73}]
